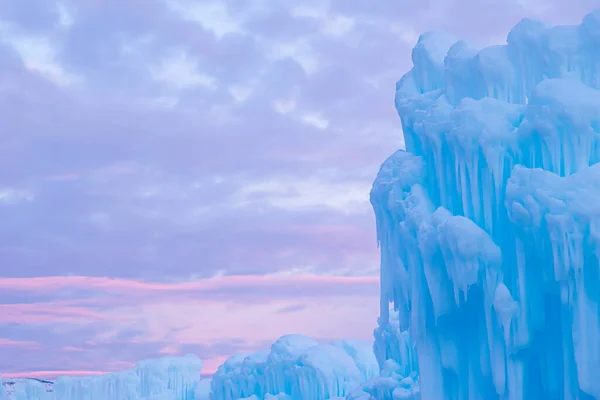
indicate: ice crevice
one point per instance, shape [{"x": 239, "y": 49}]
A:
[{"x": 489, "y": 221}]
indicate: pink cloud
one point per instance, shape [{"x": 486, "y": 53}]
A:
[
  {"x": 18, "y": 343},
  {"x": 63, "y": 177},
  {"x": 127, "y": 286},
  {"x": 50, "y": 375},
  {"x": 70, "y": 348},
  {"x": 203, "y": 313},
  {"x": 46, "y": 312}
]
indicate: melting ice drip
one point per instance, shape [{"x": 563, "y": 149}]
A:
[{"x": 489, "y": 223}]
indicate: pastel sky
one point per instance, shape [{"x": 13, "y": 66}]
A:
[{"x": 192, "y": 176}]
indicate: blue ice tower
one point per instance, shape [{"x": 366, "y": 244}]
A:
[{"x": 489, "y": 222}]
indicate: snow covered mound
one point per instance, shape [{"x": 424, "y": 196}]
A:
[
  {"x": 296, "y": 368},
  {"x": 169, "y": 378},
  {"x": 489, "y": 222}
]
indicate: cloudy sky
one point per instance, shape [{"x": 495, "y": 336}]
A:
[{"x": 192, "y": 176}]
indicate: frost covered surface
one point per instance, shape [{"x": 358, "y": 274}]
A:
[
  {"x": 489, "y": 222},
  {"x": 296, "y": 368}
]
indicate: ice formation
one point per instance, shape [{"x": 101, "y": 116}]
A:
[
  {"x": 489, "y": 222},
  {"x": 173, "y": 378},
  {"x": 296, "y": 368},
  {"x": 3, "y": 395},
  {"x": 393, "y": 383},
  {"x": 168, "y": 378},
  {"x": 398, "y": 363}
]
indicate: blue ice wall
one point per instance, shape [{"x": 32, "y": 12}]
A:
[{"x": 489, "y": 222}]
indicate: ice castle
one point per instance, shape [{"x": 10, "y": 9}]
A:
[{"x": 489, "y": 230}]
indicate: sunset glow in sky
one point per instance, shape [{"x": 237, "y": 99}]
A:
[{"x": 193, "y": 176}]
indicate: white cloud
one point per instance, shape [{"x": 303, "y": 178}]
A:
[
  {"x": 315, "y": 120},
  {"x": 39, "y": 54},
  {"x": 240, "y": 93},
  {"x": 164, "y": 102},
  {"x": 284, "y": 106},
  {"x": 533, "y": 7},
  {"x": 407, "y": 34},
  {"x": 299, "y": 50},
  {"x": 65, "y": 15},
  {"x": 181, "y": 72},
  {"x": 101, "y": 220},
  {"x": 295, "y": 194},
  {"x": 213, "y": 17},
  {"x": 338, "y": 26},
  {"x": 12, "y": 196},
  {"x": 332, "y": 25},
  {"x": 314, "y": 11}
]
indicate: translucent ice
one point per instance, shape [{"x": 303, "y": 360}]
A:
[
  {"x": 296, "y": 368},
  {"x": 489, "y": 222}
]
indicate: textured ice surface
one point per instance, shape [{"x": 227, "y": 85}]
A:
[
  {"x": 296, "y": 368},
  {"x": 489, "y": 222}
]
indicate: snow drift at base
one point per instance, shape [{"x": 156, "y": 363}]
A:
[{"x": 489, "y": 222}]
